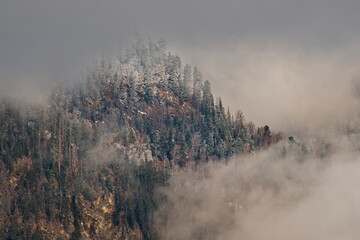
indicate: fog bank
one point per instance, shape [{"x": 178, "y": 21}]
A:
[
  {"x": 291, "y": 88},
  {"x": 275, "y": 194}
]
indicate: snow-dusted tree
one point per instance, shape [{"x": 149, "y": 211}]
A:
[
  {"x": 197, "y": 86},
  {"x": 207, "y": 103},
  {"x": 185, "y": 84},
  {"x": 173, "y": 71}
]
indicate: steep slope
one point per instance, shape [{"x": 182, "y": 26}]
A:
[{"x": 88, "y": 164}]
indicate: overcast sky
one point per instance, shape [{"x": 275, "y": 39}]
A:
[{"x": 44, "y": 41}]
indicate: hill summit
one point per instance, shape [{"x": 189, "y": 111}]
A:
[{"x": 88, "y": 164}]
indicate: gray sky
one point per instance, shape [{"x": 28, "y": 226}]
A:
[
  {"x": 47, "y": 35},
  {"x": 44, "y": 41}
]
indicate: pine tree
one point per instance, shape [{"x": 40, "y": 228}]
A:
[{"x": 173, "y": 71}]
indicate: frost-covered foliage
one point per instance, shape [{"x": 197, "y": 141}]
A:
[
  {"x": 89, "y": 163},
  {"x": 148, "y": 93}
]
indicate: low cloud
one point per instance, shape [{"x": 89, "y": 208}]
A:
[
  {"x": 291, "y": 88},
  {"x": 271, "y": 195}
]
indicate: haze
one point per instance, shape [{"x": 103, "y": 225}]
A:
[
  {"x": 249, "y": 50},
  {"x": 292, "y": 65}
]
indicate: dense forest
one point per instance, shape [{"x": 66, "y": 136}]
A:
[{"x": 88, "y": 163}]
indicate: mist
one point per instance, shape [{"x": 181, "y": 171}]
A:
[
  {"x": 301, "y": 190},
  {"x": 275, "y": 194},
  {"x": 44, "y": 43},
  {"x": 305, "y": 190},
  {"x": 293, "y": 89},
  {"x": 292, "y": 65}
]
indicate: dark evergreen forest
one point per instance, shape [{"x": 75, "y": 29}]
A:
[{"x": 88, "y": 163}]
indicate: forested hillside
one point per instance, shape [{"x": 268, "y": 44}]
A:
[{"x": 87, "y": 164}]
